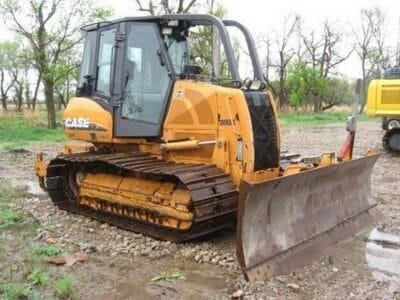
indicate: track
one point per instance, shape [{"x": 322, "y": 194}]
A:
[{"x": 214, "y": 196}]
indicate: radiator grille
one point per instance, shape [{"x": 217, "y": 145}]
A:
[{"x": 266, "y": 152}]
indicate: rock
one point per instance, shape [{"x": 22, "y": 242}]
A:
[
  {"x": 230, "y": 259},
  {"x": 165, "y": 252},
  {"x": 123, "y": 250},
  {"x": 145, "y": 251},
  {"x": 216, "y": 259},
  {"x": 197, "y": 257},
  {"x": 154, "y": 244},
  {"x": 44, "y": 235},
  {"x": 293, "y": 286},
  {"x": 91, "y": 230},
  {"x": 186, "y": 252},
  {"x": 335, "y": 270},
  {"x": 281, "y": 279},
  {"x": 206, "y": 258},
  {"x": 173, "y": 247},
  {"x": 275, "y": 290},
  {"x": 238, "y": 294},
  {"x": 104, "y": 226}
]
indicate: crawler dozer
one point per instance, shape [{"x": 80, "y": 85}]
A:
[
  {"x": 384, "y": 102},
  {"x": 174, "y": 144}
]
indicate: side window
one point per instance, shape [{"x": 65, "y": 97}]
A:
[
  {"x": 146, "y": 77},
  {"x": 105, "y": 63},
  {"x": 87, "y": 64}
]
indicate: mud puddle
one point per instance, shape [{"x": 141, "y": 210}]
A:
[
  {"x": 382, "y": 254},
  {"x": 197, "y": 282},
  {"x": 32, "y": 187},
  {"x": 375, "y": 254}
]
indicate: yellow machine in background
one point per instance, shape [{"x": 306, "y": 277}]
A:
[
  {"x": 384, "y": 101},
  {"x": 161, "y": 146}
]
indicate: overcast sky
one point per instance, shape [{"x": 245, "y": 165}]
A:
[{"x": 261, "y": 17}]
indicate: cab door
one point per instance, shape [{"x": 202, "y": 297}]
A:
[{"x": 145, "y": 83}]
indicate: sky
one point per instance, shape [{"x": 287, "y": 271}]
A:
[{"x": 262, "y": 17}]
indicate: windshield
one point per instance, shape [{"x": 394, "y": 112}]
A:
[{"x": 178, "y": 51}]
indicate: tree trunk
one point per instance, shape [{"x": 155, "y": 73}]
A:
[
  {"x": 20, "y": 99},
  {"x": 364, "y": 77},
  {"x": 39, "y": 79},
  {"x": 364, "y": 89},
  {"x": 3, "y": 92},
  {"x": 27, "y": 95},
  {"x": 49, "y": 99},
  {"x": 4, "y": 103}
]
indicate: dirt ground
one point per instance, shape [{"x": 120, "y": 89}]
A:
[{"x": 121, "y": 264}]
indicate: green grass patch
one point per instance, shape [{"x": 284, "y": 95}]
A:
[
  {"x": 315, "y": 119},
  {"x": 45, "y": 251},
  {"x": 14, "y": 291},
  {"x": 8, "y": 217},
  {"x": 38, "y": 278},
  {"x": 18, "y": 130},
  {"x": 168, "y": 277},
  {"x": 64, "y": 287}
]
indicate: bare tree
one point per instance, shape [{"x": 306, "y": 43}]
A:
[
  {"x": 267, "y": 66},
  {"x": 165, "y": 6},
  {"x": 385, "y": 55},
  {"x": 51, "y": 27},
  {"x": 312, "y": 45},
  {"x": 8, "y": 58},
  {"x": 19, "y": 87},
  {"x": 326, "y": 50},
  {"x": 370, "y": 26},
  {"x": 323, "y": 52},
  {"x": 285, "y": 54}
]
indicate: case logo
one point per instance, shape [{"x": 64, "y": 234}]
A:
[
  {"x": 79, "y": 123},
  {"x": 82, "y": 123}
]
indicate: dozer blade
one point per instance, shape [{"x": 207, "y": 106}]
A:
[{"x": 285, "y": 222}]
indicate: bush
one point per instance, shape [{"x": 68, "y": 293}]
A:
[{"x": 63, "y": 287}]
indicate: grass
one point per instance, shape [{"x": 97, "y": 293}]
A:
[
  {"x": 46, "y": 251},
  {"x": 8, "y": 217},
  {"x": 38, "y": 277},
  {"x": 23, "y": 273},
  {"x": 63, "y": 287},
  {"x": 168, "y": 277},
  {"x": 15, "y": 291},
  {"x": 315, "y": 119},
  {"x": 20, "y": 129}
]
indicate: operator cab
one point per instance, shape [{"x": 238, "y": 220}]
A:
[{"x": 129, "y": 65}]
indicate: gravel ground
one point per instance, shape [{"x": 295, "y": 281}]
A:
[{"x": 122, "y": 263}]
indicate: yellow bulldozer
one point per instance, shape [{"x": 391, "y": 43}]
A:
[
  {"x": 384, "y": 101},
  {"x": 165, "y": 147}
]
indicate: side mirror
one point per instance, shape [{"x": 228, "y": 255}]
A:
[
  {"x": 87, "y": 86},
  {"x": 189, "y": 70}
]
